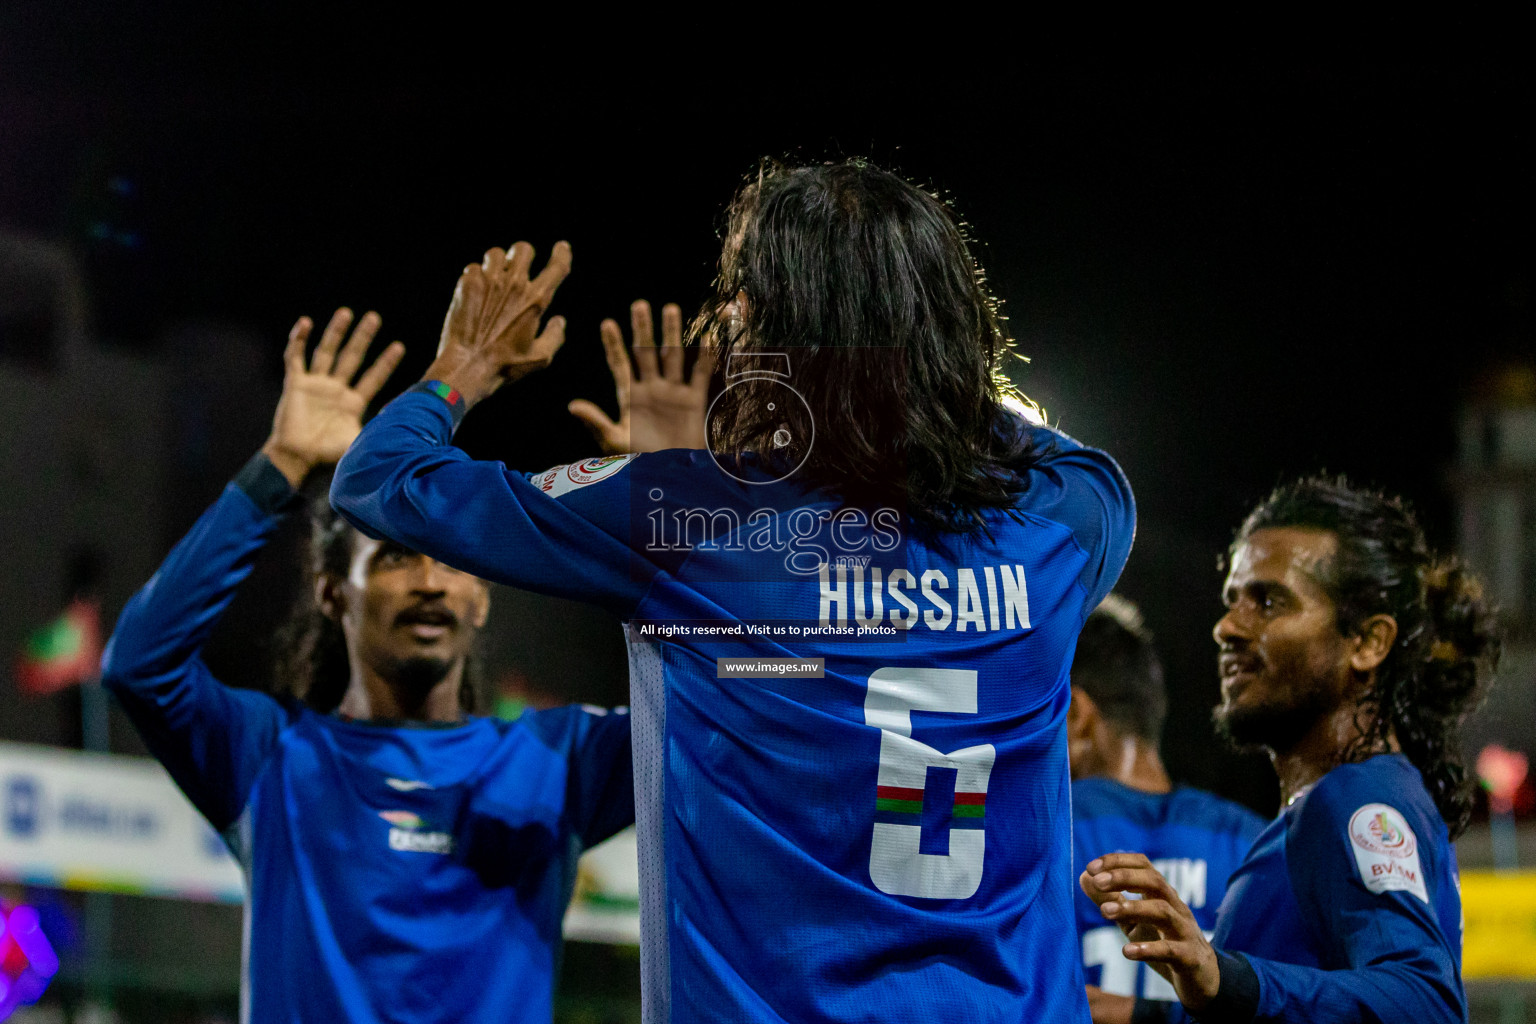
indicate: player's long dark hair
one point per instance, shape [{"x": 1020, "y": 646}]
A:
[
  {"x": 314, "y": 667},
  {"x": 1447, "y": 636},
  {"x": 894, "y": 341}
]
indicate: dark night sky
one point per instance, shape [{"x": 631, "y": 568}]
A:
[{"x": 1222, "y": 275}]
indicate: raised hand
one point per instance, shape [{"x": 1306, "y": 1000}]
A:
[
  {"x": 658, "y": 406},
  {"x": 321, "y": 409},
  {"x": 491, "y": 333},
  {"x": 1162, "y": 931}
]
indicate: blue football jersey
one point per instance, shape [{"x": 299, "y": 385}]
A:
[
  {"x": 851, "y": 774},
  {"x": 1196, "y": 839},
  {"x": 393, "y": 873},
  {"x": 1348, "y": 907}
]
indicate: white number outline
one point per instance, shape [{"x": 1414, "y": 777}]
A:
[{"x": 896, "y": 864}]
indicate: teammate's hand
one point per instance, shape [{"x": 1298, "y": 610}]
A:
[
  {"x": 1104, "y": 1008},
  {"x": 491, "y": 333},
  {"x": 658, "y": 406},
  {"x": 1162, "y": 931},
  {"x": 321, "y": 410}
]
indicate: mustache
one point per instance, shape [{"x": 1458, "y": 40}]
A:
[{"x": 429, "y": 613}]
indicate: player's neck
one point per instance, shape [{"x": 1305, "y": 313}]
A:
[
  {"x": 1136, "y": 764},
  {"x": 371, "y": 696},
  {"x": 1322, "y": 749}
]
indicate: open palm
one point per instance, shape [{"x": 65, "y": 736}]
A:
[
  {"x": 658, "y": 407},
  {"x": 321, "y": 409}
]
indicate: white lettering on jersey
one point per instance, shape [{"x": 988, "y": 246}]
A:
[
  {"x": 557, "y": 481},
  {"x": 969, "y": 612},
  {"x": 1187, "y": 875},
  {"x": 902, "y": 578},
  {"x": 1386, "y": 851},
  {"x": 863, "y": 595}
]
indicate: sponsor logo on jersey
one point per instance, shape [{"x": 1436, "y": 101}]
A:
[
  {"x": 406, "y": 785},
  {"x": 557, "y": 481},
  {"x": 408, "y": 834},
  {"x": 1386, "y": 851}
]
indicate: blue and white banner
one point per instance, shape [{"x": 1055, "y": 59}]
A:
[{"x": 75, "y": 820}]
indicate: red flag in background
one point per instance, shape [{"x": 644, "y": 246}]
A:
[{"x": 63, "y": 653}]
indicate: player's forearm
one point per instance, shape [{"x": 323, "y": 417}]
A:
[
  {"x": 165, "y": 624},
  {"x": 386, "y": 486},
  {"x": 1423, "y": 992}
]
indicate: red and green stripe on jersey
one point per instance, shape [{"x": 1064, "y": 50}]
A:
[{"x": 901, "y": 800}]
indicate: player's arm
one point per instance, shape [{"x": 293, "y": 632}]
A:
[
  {"x": 1084, "y": 489},
  {"x": 403, "y": 479},
  {"x": 569, "y": 791},
  {"x": 600, "y": 794},
  {"x": 1395, "y": 962},
  {"x": 211, "y": 738}
]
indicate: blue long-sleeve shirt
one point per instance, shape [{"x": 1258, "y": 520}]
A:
[
  {"x": 889, "y": 839},
  {"x": 1348, "y": 909},
  {"x": 393, "y": 873}
]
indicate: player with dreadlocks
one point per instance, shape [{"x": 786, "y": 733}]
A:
[
  {"x": 404, "y": 859},
  {"x": 1350, "y": 652},
  {"x": 850, "y": 622}
]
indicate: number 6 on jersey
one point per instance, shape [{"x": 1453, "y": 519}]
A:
[{"x": 897, "y": 864}]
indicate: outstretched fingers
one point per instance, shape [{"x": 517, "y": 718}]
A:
[
  {"x": 555, "y": 271},
  {"x": 356, "y": 348},
  {"x": 644, "y": 334},
  {"x": 325, "y": 352},
  {"x": 293, "y": 352},
  {"x": 544, "y": 347},
  {"x": 374, "y": 377},
  {"x": 618, "y": 362},
  {"x": 672, "y": 342}
]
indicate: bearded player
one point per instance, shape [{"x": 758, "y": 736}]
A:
[
  {"x": 405, "y": 860},
  {"x": 850, "y": 621},
  {"x": 1350, "y": 653}
]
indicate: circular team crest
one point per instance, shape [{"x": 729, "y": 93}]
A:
[
  {"x": 590, "y": 471},
  {"x": 1380, "y": 829}
]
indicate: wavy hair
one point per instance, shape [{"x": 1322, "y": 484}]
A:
[
  {"x": 869, "y": 285},
  {"x": 1448, "y": 639}
]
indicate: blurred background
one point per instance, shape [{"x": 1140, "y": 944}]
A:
[{"x": 1222, "y": 274}]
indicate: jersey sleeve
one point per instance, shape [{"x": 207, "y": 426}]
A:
[
  {"x": 402, "y": 479},
  {"x": 600, "y": 778},
  {"x": 1083, "y": 489},
  {"x": 569, "y": 788},
  {"x": 211, "y": 739},
  {"x": 1372, "y": 916}
]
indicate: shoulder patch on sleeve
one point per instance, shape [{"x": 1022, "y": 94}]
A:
[
  {"x": 1386, "y": 851},
  {"x": 557, "y": 481}
]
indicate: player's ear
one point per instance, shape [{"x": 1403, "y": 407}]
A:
[
  {"x": 328, "y": 596},
  {"x": 480, "y": 608},
  {"x": 1373, "y": 642},
  {"x": 1081, "y": 714}
]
